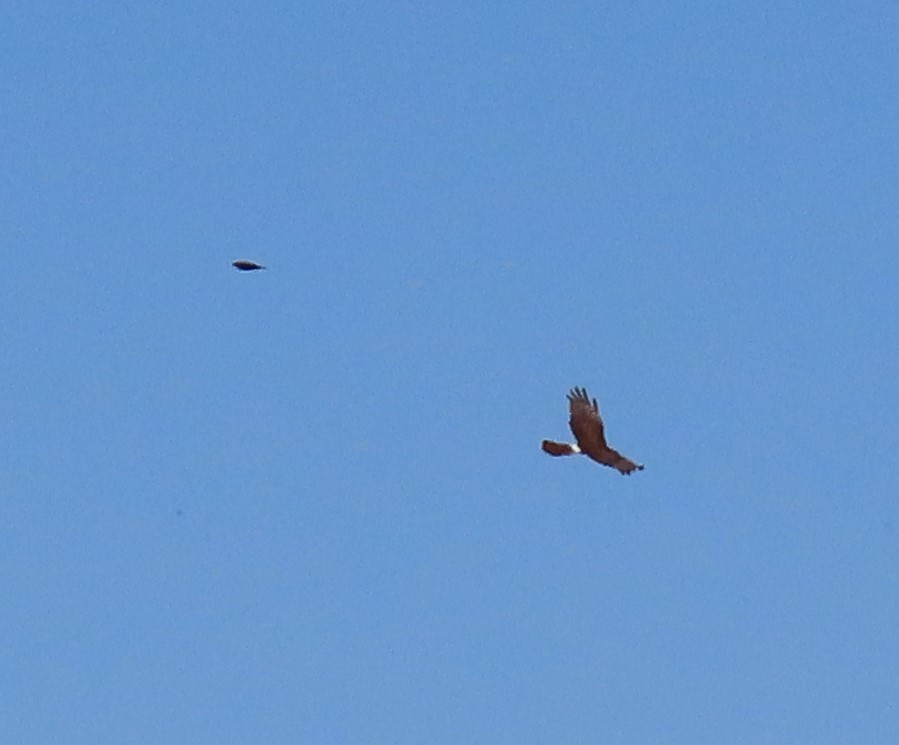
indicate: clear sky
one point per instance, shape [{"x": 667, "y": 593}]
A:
[{"x": 308, "y": 505}]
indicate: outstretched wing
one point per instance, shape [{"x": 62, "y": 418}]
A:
[
  {"x": 616, "y": 460},
  {"x": 585, "y": 422},
  {"x": 587, "y": 426}
]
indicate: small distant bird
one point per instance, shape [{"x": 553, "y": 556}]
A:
[
  {"x": 246, "y": 266},
  {"x": 587, "y": 426}
]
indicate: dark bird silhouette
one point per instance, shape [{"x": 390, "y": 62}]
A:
[
  {"x": 246, "y": 266},
  {"x": 587, "y": 426}
]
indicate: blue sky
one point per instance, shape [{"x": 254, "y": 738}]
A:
[{"x": 309, "y": 505}]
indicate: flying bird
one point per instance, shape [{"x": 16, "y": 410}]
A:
[
  {"x": 587, "y": 426},
  {"x": 246, "y": 266}
]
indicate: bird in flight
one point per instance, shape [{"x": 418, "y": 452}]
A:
[
  {"x": 587, "y": 426},
  {"x": 246, "y": 266}
]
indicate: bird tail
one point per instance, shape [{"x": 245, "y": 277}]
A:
[{"x": 559, "y": 448}]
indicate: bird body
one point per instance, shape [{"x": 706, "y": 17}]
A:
[
  {"x": 244, "y": 265},
  {"x": 589, "y": 432}
]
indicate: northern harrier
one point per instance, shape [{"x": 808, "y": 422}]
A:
[
  {"x": 586, "y": 424},
  {"x": 246, "y": 266}
]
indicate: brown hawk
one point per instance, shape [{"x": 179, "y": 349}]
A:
[{"x": 587, "y": 426}]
